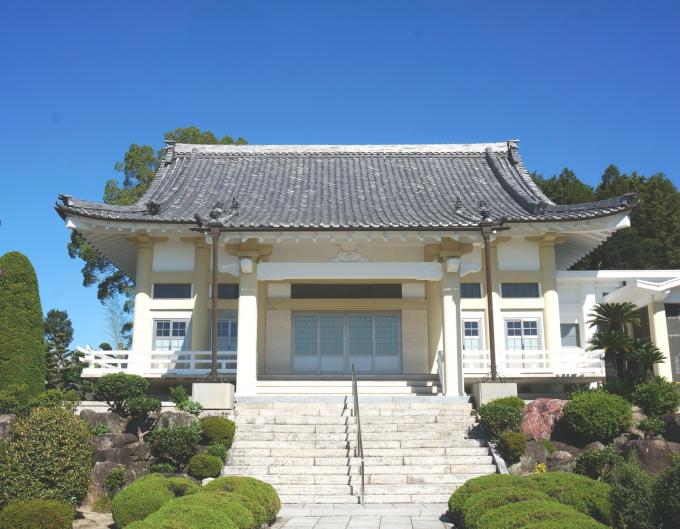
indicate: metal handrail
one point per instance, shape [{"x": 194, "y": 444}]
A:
[
  {"x": 360, "y": 445},
  {"x": 441, "y": 371}
]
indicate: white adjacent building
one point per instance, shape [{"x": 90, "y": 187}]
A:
[{"x": 365, "y": 255}]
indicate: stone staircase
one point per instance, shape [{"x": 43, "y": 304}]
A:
[
  {"x": 409, "y": 385},
  {"x": 416, "y": 449}
]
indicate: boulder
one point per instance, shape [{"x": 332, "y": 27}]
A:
[
  {"x": 596, "y": 445},
  {"x": 538, "y": 453},
  {"x": 113, "y": 422},
  {"x": 135, "y": 470},
  {"x": 561, "y": 461},
  {"x": 638, "y": 416},
  {"x": 119, "y": 448},
  {"x": 672, "y": 421},
  {"x": 540, "y": 416},
  {"x": 654, "y": 455},
  {"x": 5, "y": 425},
  {"x": 169, "y": 419},
  {"x": 112, "y": 440},
  {"x": 98, "y": 475},
  {"x": 622, "y": 439},
  {"x": 524, "y": 467},
  {"x": 564, "y": 447},
  {"x": 134, "y": 453}
]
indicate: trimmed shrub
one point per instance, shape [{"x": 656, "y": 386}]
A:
[
  {"x": 656, "y": 397},
  {"x": 37, "y": 514},
  {"x": 258, "y": 491},
  {"x": 116, "y": 479},
  {"x": 502, "y": 415},
  {"x": 667, "y": 491},
  {"x": 15, "y": 398},
  {"x": 175, "y": 444},
  {"x": 480, "y": 484},
  {"x": 218, "y": 430},
  {"x": 178, "y": 394},
  {"x": 146, "y": 495},
  {"x": 218, "y": 450},
  {"x": 519, "y": 515},
  {"x": 48, "y": 456},
  {"x": 116, "y": 389},
  {"x": 596, "y": 416},
  {"x": 652, "y": 427},
  {"x": 512, "y": 446},
  {"x": 632, "y": 496},
  {"x": 482, "y": 502},
  {"x": 162, "y": 468},
  {"x": 199, "y": 510},
  {"x": 203, "y": 466},
  {"x": 598, "y": 464},
  {"x": 22, "y": 345},
  {"x": 190, "y": 406},
  {"x": 583, "y": 494}
]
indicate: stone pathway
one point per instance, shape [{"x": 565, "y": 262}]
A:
[
  {"x": 93, "y": 520},
  {"x": 372, "y": 516}
]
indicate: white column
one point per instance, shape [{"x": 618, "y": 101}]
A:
[
  {"x": 453, "y": 354},
  {"x": 142, "y": 329},
  {"x": 246, "y": 360},
  {"x": 659, "y": 332},
  {"x": 589, "y": 301},
  {"x": 200, "y": 320},
  {"x": 551, "y": 304}
]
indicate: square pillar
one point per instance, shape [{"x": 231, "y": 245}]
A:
[
  {"x": 200, "y": 321},
  {"x": 551, "y": 304},
  {"x": 453, "y": 351},
  {"x": 142, "y": 328},
  {"x": 659, "y": 334},
  {"x": 246, "y": 344}
]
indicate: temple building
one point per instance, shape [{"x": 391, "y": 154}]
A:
[{"x": 372, "y": 256}]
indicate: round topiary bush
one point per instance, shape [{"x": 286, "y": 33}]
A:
[
  {"x": 37, "y": 514},
  {"x": 519, "y": 515},
  {"x": 480, "y": 484},
  {"x": 596, "y": 416},
  {"x": 175, "y": 444},
  {"x": 502, "y": 415},
  {"x": 583, "y": 494},
  {"x": 482, "y": 502},
  {"x": 597, "y": 464},
  {"x": 258, "y": 491},
  {"x": 667, "y": 490},
  {"x": 146, "y": 495},
  {"x": 203, "y": 466},
  {"x": 512, "y": 446},
  {"x": 48, "y": 456},
  {"x": 22, "y": 345},
  {"x": 218, "y": 430},
  {"x": 656, "y": 397}
]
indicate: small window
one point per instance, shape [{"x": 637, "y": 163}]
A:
[
  {"x": 522, "y": 335},
  {"x": 519, "y": 290},
  {"x": 571, "y": 337},
  {"x": 470, "y": 290},
  {"x": 341, "y": 291},
  {"x": 171, "y": 335},
  {"x": 227, "y": 291},
  {"x": 172, "y": 290},
  {"x": 472, "y": 338}
]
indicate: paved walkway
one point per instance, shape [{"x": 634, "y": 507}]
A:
[
  {"x": 376, "y": 516},
  {"x": 93, "y": 520}
]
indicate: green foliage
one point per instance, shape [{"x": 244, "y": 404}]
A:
[
  {"x": 17, "y": 399},
  {"x": 22, "y": 346},
  {"x": 63, "y": 365},
  {"x": 176, "y": 444},
  {"x": 143, "y": 406},
  {"x": 117, "y": 389},
  {"x": 116, "y": 479},
  {"x": 548, "y": 445},
  {"x": 257, "y": 491},
  {"x": 48, "y": 456},
  {"x": 203, "y": 466},
  {"x": 520, "y": 515},
  {"x": 596, "y": 416},
  {"x": 482, "y": 502},
  {"x": 195, "y": 513},
  {"x": 178, "y": 394},
  {"x": 512, "y": 446},
  {"x": 583, "y": 494},
  {"x": 656, "y": 397},
  {"x": 146, "y": 495},
  {"x": 162, "y": 468},
  {"x": 37, "y": 514},
  {"x": 632, "y": 496},
  {"x": 652, "y": 427},
  {"x": 190, "y": 406},
  {"x": 218, "y": 430},
  {"x": 218, "y": 450},
  {"x": 564, "y": 188},
  {"x": 474, "y": 486},
  {"x": 502, "y": 415},
  {"x": 598, "y": 464},
  {"x": 640, "y": 362},
  {"x": 667, "y": 493},
  {"x": 102, "y": 504},
  {"x": 100, "y": 429}
]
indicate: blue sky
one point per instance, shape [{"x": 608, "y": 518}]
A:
[{"x": 580, "y": 83}]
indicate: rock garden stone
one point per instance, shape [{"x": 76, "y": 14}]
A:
[
  {"x": 564, "y": 447},
  {"x": 135, "y": 470},
  {"x": 538, "y": 453},
  {"x": 672, "y": 421},
  {"x": 113, "y": 422},
  {"x": 561, "y": 461},
  {"x": 596, "y": 445},
  {"x": 540, "y": 416},
  {"x": 524, "y": 467},
  {"x": 169, "y": 419},
  {"x": 5, "y": 424},
  {"x": 654, "y": 455},
  {"x": 98, "y": 476}
]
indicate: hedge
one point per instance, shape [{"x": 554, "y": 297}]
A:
[
  {"x": 22, "y": 345},
  {"x": 632, "y": 496},
  {"x": 258, "y": 491},
  {"x": 667, "y": 491},
  {"x": 583, "y": 494},
  {"x": 146, "y": 495},
  {"x": 37, "y": 514},
  {"x": 48, "y": 456},
  {"x": 597, "y": 463},
  {"x": 482, "y": 502},
  {"x": 520, "y": 515},
  {"x": 512, "y": 446},
  {"x": 596, "y": 416},
  {"x": 218, "y": 430},
  {"x": 199, "y": 510},
  {"x": 502, "y": 415},
  {"x": 656, "y": 397},
  {"x": 203, "y": 466}
]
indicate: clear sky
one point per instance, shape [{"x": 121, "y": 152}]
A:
[{"x": 580, "y": 83}]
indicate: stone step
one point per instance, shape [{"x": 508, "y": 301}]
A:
[
  {"x": 442, "y": 488},
  {"x": 408, "y": 498},
  {"x": 249, "y": 470},
  {"x": 347, "y": 390},
  {"x": 369, "y": 462},
  {"x": 369, "y": 444},
  {"x": 368, "y": 452},
  {"x": 365, "y": 410},
  {"x": 369, "y": 431},
  {"x": 315, "y": 490},
  {"x": 337, "y": 421},
  {"x": 287, "y": 499},
  {"x": 373, "y": 479}
]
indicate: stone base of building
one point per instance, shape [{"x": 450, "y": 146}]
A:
[{"x": 213, "y": 395}]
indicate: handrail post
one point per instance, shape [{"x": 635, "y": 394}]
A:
[{"x": 360, "y": 446}]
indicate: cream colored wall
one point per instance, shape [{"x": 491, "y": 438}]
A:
[
  {"x": 414, "y": 340},
  {"x": 375, "y": 251},
  {"x": 277, "y": 357}
]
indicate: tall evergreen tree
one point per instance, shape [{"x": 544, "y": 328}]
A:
[
  {"x": 22, "y": 350},
  {"x": 564, "y": 188},
  {"x": 63, "y": 364}
]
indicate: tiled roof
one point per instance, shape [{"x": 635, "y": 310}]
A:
[{"x": 344, "y": 187}]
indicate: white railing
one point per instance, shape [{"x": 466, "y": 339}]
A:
[
  {"x": 156, "y": 363},
  {"x": 566, "y": 362}
]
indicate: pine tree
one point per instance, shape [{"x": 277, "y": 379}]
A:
[{"x": 63, "y": 364}]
